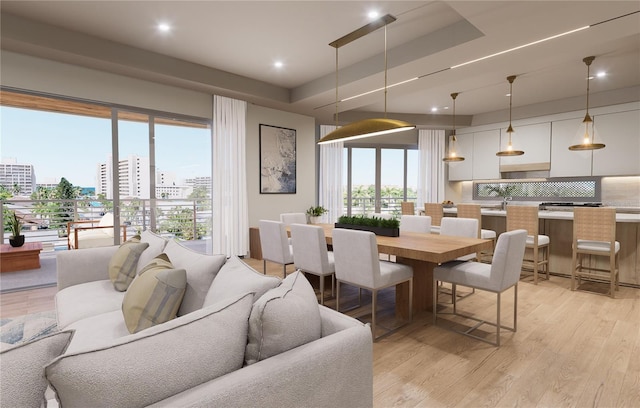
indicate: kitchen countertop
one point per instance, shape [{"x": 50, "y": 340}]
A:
[{"x": 549, "y": 214}]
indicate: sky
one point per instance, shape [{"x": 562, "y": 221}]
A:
[
  {"x": 392, "y": 172},
  {"x": 71, "y": 146}
]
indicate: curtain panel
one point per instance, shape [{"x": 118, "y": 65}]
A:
[
  {"x": 230, "y": 212},
  {"x": 330, "y": 180},
  {"x": 431, "y": 147}
]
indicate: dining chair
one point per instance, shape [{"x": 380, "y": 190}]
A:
[
  {"x": 474, "y": 211},
  {"x": 594, "y": 234},
  {"x": 275, "y": 244},
  {"x": 408, "y": 208},
  {"x": 436, "y": 212},
  {"x": 415, "y": 223},
  {"x": 357, "y": 264},
  {"x": 310, "y": 254},
  {"x": 460, "y": 227},
  {"x": 502, "y": 274},
  {"x": 293, "y": 218},
  {"x": 526, "y": 217}
]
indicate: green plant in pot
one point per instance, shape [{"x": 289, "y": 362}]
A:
[
  {"x": 315, "y": 213},
  {"x": 15, "y": 226}
]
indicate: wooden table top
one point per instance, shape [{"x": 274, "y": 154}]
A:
[
  {"x": 28, "y": 246},
  {"x": 424, "y": 247}
]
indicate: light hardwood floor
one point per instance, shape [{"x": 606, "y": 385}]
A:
[{"x": 573, "y": 349}]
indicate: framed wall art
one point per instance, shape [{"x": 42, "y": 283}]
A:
[{"x": 277, "y": 160}]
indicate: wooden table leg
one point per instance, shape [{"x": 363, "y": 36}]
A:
[{"x": 422, "y": 288}]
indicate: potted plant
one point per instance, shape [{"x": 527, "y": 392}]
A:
[
  {"x": 379, "y": 226},
  {"x": 15, "y": 226},
  {"x": 315, "y": 213}
]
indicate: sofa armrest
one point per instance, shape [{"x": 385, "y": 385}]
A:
[
  {"x": 334, "y": 371},
  {"x": 83, "y": 265}
]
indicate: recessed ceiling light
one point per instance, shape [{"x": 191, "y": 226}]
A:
[
  {"x": 434, "y": 109},
  {"x": 507, "y": 95},
  {"x": 164, "y": 27},
  {"x": 445, "y": 108},
  {"x": 278, "y": 64},
  {"x": 373, "y": 14},
  {"x": 601, "y": 74}
]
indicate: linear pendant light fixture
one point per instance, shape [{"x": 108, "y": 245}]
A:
[
  {"x": 367, "y": 127},
  {"x": 587, "y": 143},
  {"x": 453, "y": 155},
  {"x": 510, "y": 151}
]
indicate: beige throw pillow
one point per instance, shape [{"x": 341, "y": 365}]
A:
[
  {"x": 154, "y": 296},
  {"x": 124, "y": 263}
]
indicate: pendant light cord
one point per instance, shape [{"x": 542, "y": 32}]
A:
[
  {"x": 385, "y": 71},
  {"x": 588, "y": 80},
  {"x": 336, "y": 116}
]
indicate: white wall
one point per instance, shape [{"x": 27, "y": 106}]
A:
[{"x": 269, "y": 206}]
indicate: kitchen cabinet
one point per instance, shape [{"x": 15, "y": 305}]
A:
[
  {"x": 534, "y": 140},
  {"x": 620, "y": 132},
  {"x": 564, "y": 162},
  {"x": 486, "y": 165},
  {"x": 462, "y": 170}
]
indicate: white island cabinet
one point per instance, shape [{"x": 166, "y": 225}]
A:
[{"x": 620, "y": 132}]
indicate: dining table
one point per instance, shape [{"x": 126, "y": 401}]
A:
[{"x": 423, "y": 252}]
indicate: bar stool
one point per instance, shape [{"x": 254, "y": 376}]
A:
[
  {"x": 526, "y": 217},
  {"x": 408, "y": 208},
  {"x": 435, "y": 211},
  {"x": 473, "y": 211},
  {"x": 594, "y": 233}
]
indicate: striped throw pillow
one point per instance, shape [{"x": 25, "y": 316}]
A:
[{"x": 123, "y": 264}]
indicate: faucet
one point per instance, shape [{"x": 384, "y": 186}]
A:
[{"x": 505, "y": 200}]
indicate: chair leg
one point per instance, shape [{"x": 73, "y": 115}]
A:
[
  {"x": 574, "y": 260},
  {"x": 264, "y": 266},
  {"x": 498, "y": 322},
  {"x": 411, "y": 300},
  {"x": 453, "y": 298},
  {"x": 374, "y": 298},
  {"x": 612, "y": 268},
  {"x": 435, "y": 301},
  {"x": 337, "y": 296},
  {"x": 284, "y": 271},
  {"x": 322, "y": 290},
  {"x": 333, "y": 284},
  {"x": 515, "y": 307},
  {"x": 535, "y": 265}
]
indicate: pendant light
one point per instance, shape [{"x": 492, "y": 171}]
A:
[
  {"x": 589, "y": 128},
  {"x": 510, "y": 151},
  {"x": 367, "y": 127},
  {"x": 453, "y": 155}
]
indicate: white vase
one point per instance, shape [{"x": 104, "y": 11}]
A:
[{"x": 315, "y": 219}]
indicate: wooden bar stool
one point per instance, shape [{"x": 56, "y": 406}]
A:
[
  {"x": 594, "y": 234},
  {"x": 436, "y": 212},
  {"x": 526, "y": 218},
  {"x": 473, "y": 211}
]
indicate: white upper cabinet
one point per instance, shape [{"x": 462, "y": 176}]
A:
[
  {"x": 564, "y": 162},
  {"x": 620, "y": 132},
  {"x": 485, "y": 162},
  {"x": 534, "y": 140},
  {"x": 462, "y": 170}
]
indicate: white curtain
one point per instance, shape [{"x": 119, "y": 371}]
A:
[
  {"x": 431, "y": 147},
  {"x": 230, "y": 209},
  {"x": 330, "y": 195}
]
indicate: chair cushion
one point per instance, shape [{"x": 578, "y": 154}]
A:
[
  {"x": 600, "y": 246},
  {"x": 106, "y": 221},
  {"x": 156, "y": 363},
  {"x": 392, "y": 273},
  {"x": 283, "y": 318},
  {"x": 124, "y": 263},
  {"x": 96, "y": 297},
  {"x": 487, "y": 234},
  {"x": 542, "y": 240},
  {"x": 154, "y": 296},
  {"x": 236, "y": 277},
  {"x": 201, "y": 270},
  {"x": 473, "y": 274},
  {"x": 156, "y": 246},
  {"x": 22, "y": 383}
]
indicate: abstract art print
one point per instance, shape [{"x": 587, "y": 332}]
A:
[{"x": 277, "y": 160}]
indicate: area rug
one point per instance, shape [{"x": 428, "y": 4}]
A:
[{"x": 21, "y": 329}]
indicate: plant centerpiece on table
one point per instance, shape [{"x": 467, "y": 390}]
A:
[
  {"x": 379, "y": 226},
  {"x": 315, "y": 213},
  {"x": 15, "y": 226}
]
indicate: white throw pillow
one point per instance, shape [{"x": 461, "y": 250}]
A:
[
  {"x": 156, "y": 363},
  {"x": 156, "y": 246},
  {"x": 22, "y": 382},
  {"x": 283, "y": 318},
  {"x": 201, "y": 269}
]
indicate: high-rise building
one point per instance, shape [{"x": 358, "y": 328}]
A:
[
  {"x": 17, "y": 178},
  {"x": 133, "y": 178}
]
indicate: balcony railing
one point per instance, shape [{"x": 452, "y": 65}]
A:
[
  {"x": 366, "y": 205},
  {"x": 46, "y": 220}
]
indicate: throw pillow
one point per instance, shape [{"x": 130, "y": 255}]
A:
[
  {"x": 164, "y": 360},
  {"x": 22, "y": 382},
  {"x": 124, "y": 263},
  {"x": 236, "y": 277},
  {"x": 156, "y": 246},
  {"x": 154, "y": 296},
  {"x": 283, "y": 318},
  {"x": 201, "y": 269}
]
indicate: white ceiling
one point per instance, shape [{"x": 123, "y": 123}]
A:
[{"x": 213, "y": 38}]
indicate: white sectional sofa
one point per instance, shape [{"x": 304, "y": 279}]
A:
[{"x": 241, "y": 339}]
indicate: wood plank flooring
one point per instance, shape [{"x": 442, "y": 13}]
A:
[{"x": 573, "y": 349}]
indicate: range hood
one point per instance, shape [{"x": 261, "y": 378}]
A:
[{"x": 511, "y": 175}]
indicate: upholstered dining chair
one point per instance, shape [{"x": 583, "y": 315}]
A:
[
  {"x": 415, "y": 223},
  {"x": 293, "y": 218},
  {"x": 460, "y": 227},
  {"x": 408, "y": 208},
  {"x": 310, "y": 254},
  {"x": 436, "y": 212},
  {"x": 502, "y": 274},
  {"x": 594, "y": 234},
  {"x": 474, "y": 211},
  {"x": 526, "y": 217},
  {"x": 275, "y": 244},
  {"x": 357, "y": 264}
]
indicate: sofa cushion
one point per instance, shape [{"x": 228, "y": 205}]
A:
[
  {"x": 96, "y": 331},
  {"x": 156, "y": 246},
  {"x": 201, "y": 269},
  {"x": 22, "y": 383},
  {"x": 154, "y": 296},
  {"x": 283, "y": 318},
  {"x": 124, "y": 263},
  {"x": 96, "y": 297},
  {"x": 149, "y": 366},
  {"x": 236, "y": 277}
]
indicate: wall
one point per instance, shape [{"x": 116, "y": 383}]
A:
[{"x": 269, "y": 206}]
